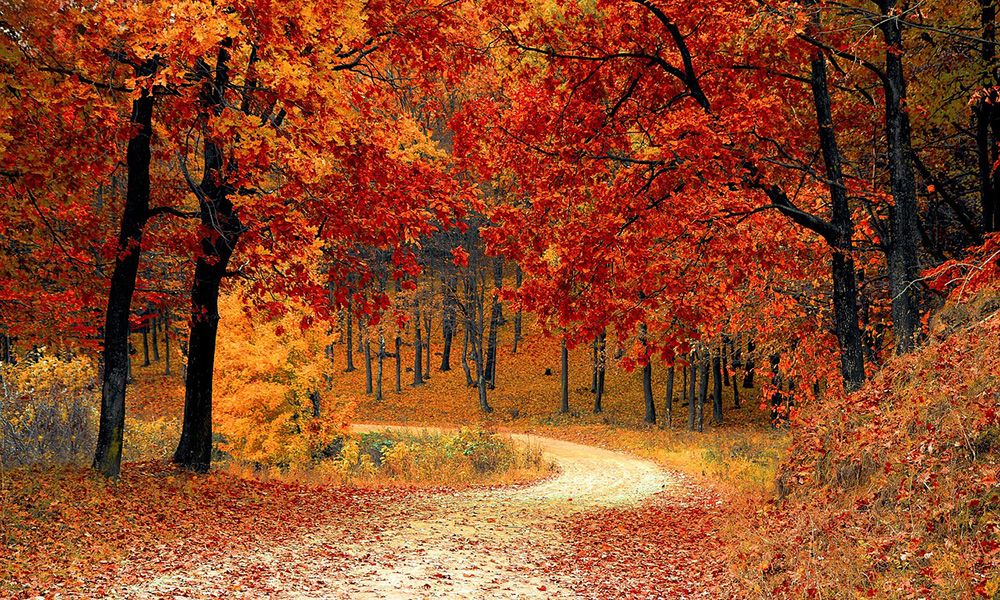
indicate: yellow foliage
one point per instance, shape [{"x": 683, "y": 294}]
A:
[{"x": 267, "y": 374}]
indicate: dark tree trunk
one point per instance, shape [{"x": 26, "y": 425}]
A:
[
  {"x": 594, "y": 362},
  {"x": 903, "y": 267},
  {"x": 115, "y": 355},
  {"x": 668, "y": 405},
  {"x": 736, "y": 392},
  {"x": 427, "y": 344},
  {"x": 495, "y": 318},
  {"x": 474, "y": 324},
  {"x": 749, "y": 373},
  {"x": 367, "y": 349},
  {"x": 717, "y": 389},
  {"x": 776, "y": 397},
  {"x": 602, "y": 350},
  {"x": 418, "y": 346},
  {"x": 564, "y": 378},
  {"x": 703, "y": 391},
  {"x": 399, "y": 364},
  {"x": 845, "y": 287},
  {"x": 725, "y": 361},
  {"x": 156, "y": 340},
  {"x": 166, "y": 341},
  {"x": 518, "y": 279},
  {"x": 691, "y": 393},
  {"x": 647, "y": 380},
  {"x": 381, "y": 360},
  {"x": 448, "y": 322},
  {"x": 988, "y": 121},
  {"x": 469, "y": 381},
  {"x": 145, "y": 345},
  {"x": 350, "y": 336},
  {"x": 218, "y": 216}
]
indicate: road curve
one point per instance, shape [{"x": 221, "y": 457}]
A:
[{"x": 479, "y": 543}]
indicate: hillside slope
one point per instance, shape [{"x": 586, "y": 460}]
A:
[{"x": 893, "y": 493}]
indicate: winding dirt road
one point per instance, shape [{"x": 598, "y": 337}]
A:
[{"x": 470, "y": 544}]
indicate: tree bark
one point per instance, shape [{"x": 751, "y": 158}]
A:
[
  {"x": 156, "y": 341},
  {"x": 399, "y": 364},
  {"x": 602, "y": 349},
  {"x": 717, "y": 388},
  {"x": 668, "y": 406},
  {"x": 691, "y": 393},
  {"x": 448, "y": 322},
  {"x": 495, "y": 317},
  {"x": 703, "y": 391},
  {"x": 518, "y": 280},
  {"x": 647, "y": 380},
  {"x": 988, "y": 121},
  {"x": 564, "y": 378},
  {"x": 381, "y": 360},
  {"x": 145, "y": 345},
  {"x": 115, "y": 355},
  {"x": 903, "y": 266},
  {"x": 367, "y": 349},
  {"x": 350, "y": 336},
  {"x": 418, "y": 347},
  {"x": 218, "y": 216}
]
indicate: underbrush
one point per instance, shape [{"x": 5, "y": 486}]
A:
[
  {"x": 422, "y": 458},
  {"x": 893, "y": 492},
  {"x": 48, "y": 412}
]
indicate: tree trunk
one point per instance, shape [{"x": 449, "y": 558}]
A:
[
  {"x": 218, "y": 216},
  {"x": 381, "y": 360},
  {"x": 166, "y": 341},
  {"x": 845, "y": 287},
  {"x": 465, "y": 357},
  {"x": 988, "y": 121},
  {"x": 418, "y": 347},
  {"x": 647, "y": 380},
  {"x": 717, "y": 389},
  {"x": 367, "y": 348},
  {"x": 749, "y": 373},
  {"x": 115, "y": 355},
  {"x": 668, "y": 406},
  {"x": 495, "y": 318},
  {"x": 448, "y": 322},
  {"x": 399, "y": 364},
  {"x": 350, "y": 336},
  {"x": 427, "y": 344},
  {"x": 593, "y": 380},
  {"x": 564, "y": 378},
  {"x": 156, "y": 340},
  {"x": 903, "y": 267},
  {"x": 691, "y": 393},
  {"x": 474, "y": 324},
  {"x": 703, "y": 391},
  {"x": 602, "y": 349},
  {"x": 145, "y": 345},
  {"x": 518, "y": 280}
]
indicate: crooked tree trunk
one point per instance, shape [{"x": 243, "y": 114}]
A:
[
  {"x": 115, "y": 355},
  {"x": 564, "y": 378}
]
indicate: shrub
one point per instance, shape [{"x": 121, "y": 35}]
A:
[{"x": 48, "y": 411}]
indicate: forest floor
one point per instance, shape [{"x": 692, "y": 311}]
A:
[{"x": 562, "y": 537}]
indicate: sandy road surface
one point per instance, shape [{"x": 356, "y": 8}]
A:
[{"x": 469, "y": 544}]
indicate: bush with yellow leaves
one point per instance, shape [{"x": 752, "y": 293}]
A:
[
  {"x": 48, "y": 410},
  {"x": 270, "y": 378}
]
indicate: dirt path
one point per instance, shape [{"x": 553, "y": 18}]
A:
[{"x": 470, "y": 544}]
